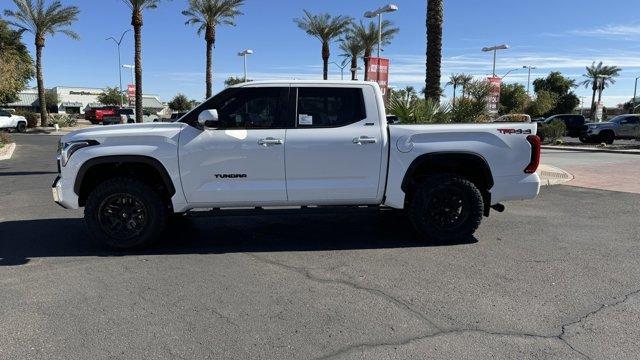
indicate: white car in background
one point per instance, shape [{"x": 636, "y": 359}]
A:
[{"x": 10, "y": 121}]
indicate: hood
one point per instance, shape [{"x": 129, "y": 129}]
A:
[
  {"x": 101, "y": 133},
  {"x": 600, "y": 124}
]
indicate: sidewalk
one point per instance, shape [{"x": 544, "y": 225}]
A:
[
  {"x": 592, "y": 149},
  {"x": 50, "y": 130}
]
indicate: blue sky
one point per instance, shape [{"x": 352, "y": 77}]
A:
[{"x": 554, "y": 35}]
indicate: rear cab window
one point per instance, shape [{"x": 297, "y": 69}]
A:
[{"x": 326, "y": 107}]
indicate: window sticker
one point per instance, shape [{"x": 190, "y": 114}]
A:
[{"x": 304, "y": 119}]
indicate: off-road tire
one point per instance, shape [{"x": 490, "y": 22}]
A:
[
  {"x": 425, "y": 215},
  {"x": 96, "y": 213}
]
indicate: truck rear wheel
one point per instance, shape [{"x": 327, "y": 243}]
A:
[
  {"x": 446, "y": 208},
  {"x": 125, "y": 213}
]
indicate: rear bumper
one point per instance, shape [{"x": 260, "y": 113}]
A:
[
  {"x": 519, "y": 187},
  {"x": 65, "y": 198}
]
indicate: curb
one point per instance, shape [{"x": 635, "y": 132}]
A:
[
  {"x": 7, "y": 152},
  {"x": 551, "y": 175},
  {"x": 593, "y": 150}
]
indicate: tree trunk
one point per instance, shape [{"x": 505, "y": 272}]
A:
[
  {"x": 136, "y": 21},
  {"x": 354, "y": 68},
  {"x": 435, "y": 18},
  {"x": 367, "y": 57},
  {"x": 210, "y": 37},
  {"x": 453, "y": 100},
  {"x": 593, "y": 103},
  {"x": 40, "y": 79},
  {"x": 325, "y": 60}
]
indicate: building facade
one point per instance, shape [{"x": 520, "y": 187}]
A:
[{"x": 75, "y": 100}]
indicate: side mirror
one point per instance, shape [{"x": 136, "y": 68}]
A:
[{"x": 208, "y": 118}]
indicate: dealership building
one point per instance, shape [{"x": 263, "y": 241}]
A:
[{"x": 75, "y": 100}]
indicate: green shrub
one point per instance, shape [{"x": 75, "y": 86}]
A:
[
  {"x": 32, "y": 118},
  {"x": 552, "y": 131},
  {"x": 5, "y": 139},
  {"x": 469, "y": 110},
  {"x": 411, "y": 109},
  {"x": 62, "y": 120}
]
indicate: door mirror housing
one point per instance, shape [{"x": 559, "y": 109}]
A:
[{"x": 209, "y": 118}]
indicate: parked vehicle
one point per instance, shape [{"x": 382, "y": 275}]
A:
[
  {"x": 524, "y": 118},
  {"x": 575, "y": 123},
  {"x": 8, "y": 121},
  {"x": 125, "y": 116},
  {"x": 340, "y": 151},
  {"x": 96, "y": 115},
  {"x": 620, "y": 127}
]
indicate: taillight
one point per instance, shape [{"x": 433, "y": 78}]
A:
[{"x": 535, "y": 142}]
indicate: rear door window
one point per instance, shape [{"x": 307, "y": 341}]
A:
[{"x": 329, "y": 107}]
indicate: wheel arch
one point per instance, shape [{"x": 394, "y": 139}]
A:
[
  {"x": 99, "y": 169},
  {"x": 471, "y": 166}
]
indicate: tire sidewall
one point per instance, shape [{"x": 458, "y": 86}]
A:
[
  {"x": 154, "y": 207},
  {"x": 22, "y": 127},
  {"x": 473, "y": 203}
]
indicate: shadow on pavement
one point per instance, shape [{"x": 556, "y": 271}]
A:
[{"x": 359, "y": 229}]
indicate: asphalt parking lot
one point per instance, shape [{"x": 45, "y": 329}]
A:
[{"x": 555, "y": 277}]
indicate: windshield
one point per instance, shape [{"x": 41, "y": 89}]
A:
[{"x": 618, "y": 118}]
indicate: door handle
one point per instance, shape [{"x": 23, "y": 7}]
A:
[
  {"x": 270, "y": 142},
  {"x": 364, "y": 140}
]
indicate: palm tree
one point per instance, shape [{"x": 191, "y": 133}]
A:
[
  {"x": 465, "y": 81},
  {"x": 367, "y": 35},
  {"x": 435, "y": 18},
  {"x": 325, "y": 28},
  {"x": 599, "y": 77},
  {"x": 207, "y": 15},
  {"x": 455, "y": 80},
  {"x": 41, "y": 21},
  {"x": 137, "y": 7},
  {"x": 351, "y": 49}
]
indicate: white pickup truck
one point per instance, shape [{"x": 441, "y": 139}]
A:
[
  {"x": 9, "y": 121},
  {"x": 293, "y": 143}
]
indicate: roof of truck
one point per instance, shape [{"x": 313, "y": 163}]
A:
[{"x": 305, "y": 82}]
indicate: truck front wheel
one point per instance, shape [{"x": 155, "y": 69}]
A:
[
  {"x": 446, "y": 208},
  {"x": 125, "y": 213}
]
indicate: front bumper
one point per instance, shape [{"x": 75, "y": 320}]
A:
[{"x": 63, "y": 195}]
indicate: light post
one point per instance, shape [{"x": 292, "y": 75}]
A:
[
  {"x": 509, "y": 72},
  {"x": 118, "y": 43},
  {"x": 635, "y": 93},
  {"x": 342, "y": 67},
  {"x": 133, "y": 81},
  {"x": 244, "y": 54},
  {"x": 495, "y": 50},
  {"x": 371, "y": 14},
  {"x": 529, "y": 67}
]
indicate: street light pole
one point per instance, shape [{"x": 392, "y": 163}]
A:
[
  {"x": 635, "y": 92},
  {"x": 118, "y": 43},
  {"x": 529, "y": 76},
  {"x": 133, "y": 80},
  {"x": 342, "y": 67},
  {"x": 509, "y": 72},
  {"x": 371, "y": 14},
  {"x": 244, "y": 54},
  {"x": 495, "y": 50}
]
